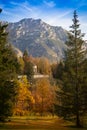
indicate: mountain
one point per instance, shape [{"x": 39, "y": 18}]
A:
[{"x": 38, "y": 38}]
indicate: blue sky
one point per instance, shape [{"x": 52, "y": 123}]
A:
[{"x": 53, "y": 12}]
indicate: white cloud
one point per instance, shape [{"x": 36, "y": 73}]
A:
[
  {"x": 57, "y": 21},
  {"x": 17, "y": 12},
  {"x": 24, "y": 5},
  {"x": 49, "y": 4}
]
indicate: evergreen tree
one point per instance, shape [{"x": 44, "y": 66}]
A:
[
  {"x": 28, "y": 70},
  {"x": 25, "y": 54},
  {"x": 73, "y": 91},
  {"x": 28, "y": 66},
  {"x": 57, "y": 70},
  {"x": 8, "y": 69}
]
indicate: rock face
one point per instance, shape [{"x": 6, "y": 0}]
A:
[{"x": 38, "y": 38}]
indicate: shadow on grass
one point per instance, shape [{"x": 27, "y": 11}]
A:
[{"x": 74, "y": 127}]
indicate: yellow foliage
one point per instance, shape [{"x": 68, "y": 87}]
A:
[
  {"x": 43, "y": 95},
  {"x": 24, "y": 97}
]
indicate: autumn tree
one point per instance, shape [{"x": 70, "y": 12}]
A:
[
  {"x": 44, "y": 66},
  {"x": 24, "y": 99},
  {"x": 8, "y": 72},
  {"x": 44, "y": 96},
  {"x": 73, "y": 90}
]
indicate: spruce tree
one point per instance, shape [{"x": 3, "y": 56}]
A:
[
  {"x": 28, "y": 66},
  {"x": 8, "y": 72},
  {"x": 73, "y": 90}
]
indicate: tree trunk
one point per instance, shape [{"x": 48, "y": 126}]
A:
[{"x": 78, "y": 122}]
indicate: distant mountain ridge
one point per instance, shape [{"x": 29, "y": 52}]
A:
[{"x": 38, "y": 38}]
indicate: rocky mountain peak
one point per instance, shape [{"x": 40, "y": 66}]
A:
[{"x": 38, "y": 37}]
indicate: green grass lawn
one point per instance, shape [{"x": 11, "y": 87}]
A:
[{"x": 37, "y": 123}]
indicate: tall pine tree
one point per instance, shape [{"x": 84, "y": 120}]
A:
[
  {"x": 8, "y": 69},
  {"x": 73, "y": 91}
]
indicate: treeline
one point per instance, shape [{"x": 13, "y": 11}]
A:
[{"x": 63, "y": 92}]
